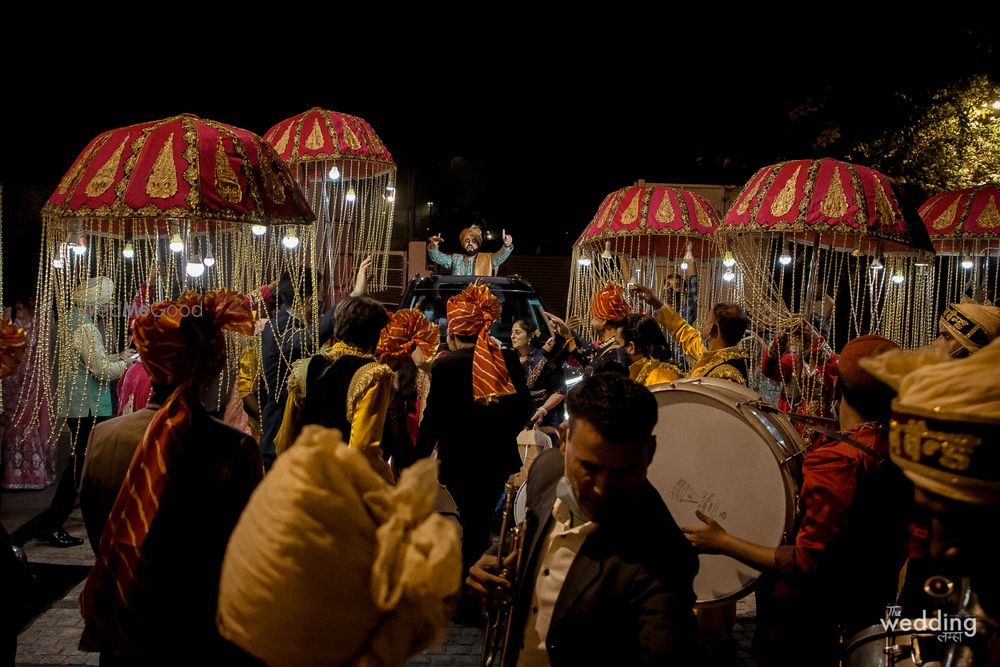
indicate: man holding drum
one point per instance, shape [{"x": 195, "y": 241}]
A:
[
  {"x": 841, "y": 568},
  {"x": 607, "y": 575}
]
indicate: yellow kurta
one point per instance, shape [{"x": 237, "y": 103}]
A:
[
  {"x": 706, "y": 363},
  {"x": 648, "y": 372}
]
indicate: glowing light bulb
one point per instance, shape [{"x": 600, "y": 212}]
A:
[
  {"x": 583, "y": 261},
  {"x": 195, "y": 267},
  {"x": 967, "y": 263},
  {"x": 351, "y": 195},
  {"x": 785, "y": 259},
  {"x": 57, "y": 263},
  {"x": 898, "y": 277},
  {"x": 128, "y": 252},
  {"x": 258, "y": 230},
  {"x": 334, "y": 174},
  {"x": 290, "y": 240},
  {"x": 728, "y": 260},
  {"x": 176, "y": 244},
  {"x": 729, "y": 275},
  {"x": 877, "y": 264},
  {"x": 684, "y": 265},
  {"x": 80, "y": 248},
  {"x": 209, "y": 256},
  {"x": 606, "y": 253}
]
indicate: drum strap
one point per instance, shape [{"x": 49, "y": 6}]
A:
[{"x": 813, "y": 423}]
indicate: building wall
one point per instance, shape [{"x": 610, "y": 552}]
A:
[{"x": 548, "y": 274}]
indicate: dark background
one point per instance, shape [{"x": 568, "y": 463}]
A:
[{"x": 518, "y": 121}]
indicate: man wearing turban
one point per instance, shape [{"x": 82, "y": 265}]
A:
[
  {"x": 965, "y": 328},
  {"x": 472, "y": 262},
  {"x": 477, "y": 404},
  {"x": 608, "y": 310},
  {"x": 151, "y": 597}
]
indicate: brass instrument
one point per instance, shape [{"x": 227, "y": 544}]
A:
[{"x": 496, "y": 636}]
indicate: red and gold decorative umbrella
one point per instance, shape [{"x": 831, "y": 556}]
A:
[
  {"x": 965, "y": 228},
  {"x": 157, "y": 208},
  {"x": 645, "y": 234},
  {"x": 348, "y": 176},
  {"x": 811, "y": 209}
]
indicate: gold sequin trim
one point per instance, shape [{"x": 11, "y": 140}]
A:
[
  {"x": 947, "y": 217},
  {"x": 162, "y": 181},
  {"x": 745, "y": 204},
  {"x": 283, "y": 141},
  {"x": 782, "y": 204},
  {"x": 990, "y": 217},
  {"x": 225, "y": 178},
  {"x": 364, "y": 379},
  {"x": 703, "y": 219},
  {"x": 631, "y": 213},
  {"x": 105, "y": 176},
  {"x": 271, "y": 183},
  {"x": 665, "y": 211},
  {"x": 883, "y": 209},
  {"x": 315, "y": 139},
  {"x": 350, "y": 137},
  {"x": 834, "y": 204}
]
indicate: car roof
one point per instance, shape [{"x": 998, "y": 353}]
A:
[{"x": 505, "y": 283}]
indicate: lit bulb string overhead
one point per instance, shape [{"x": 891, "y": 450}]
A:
[
  {"x": 642, "y": 234},
  {"x": 348, "y": 177},
  {"x": 181, "y": 179}
]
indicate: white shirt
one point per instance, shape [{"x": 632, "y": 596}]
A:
[{"x": 560, "y": 548}]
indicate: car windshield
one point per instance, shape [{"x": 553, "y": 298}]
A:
[{"x": 515, "y": 305}]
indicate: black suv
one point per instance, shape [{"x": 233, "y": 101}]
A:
[{"x": 518, "y": 300}]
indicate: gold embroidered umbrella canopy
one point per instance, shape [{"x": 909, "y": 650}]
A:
[
  {"x": 965, "y": 228},
  {"x": 805, "y": 232},
  {"x": 149, "y": 210},
  {"x": 655, "y": 235},
  {"x": 349, "y": 180}
]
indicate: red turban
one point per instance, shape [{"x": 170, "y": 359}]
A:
[
  {"x": 472, "y": 313},
  {"x": 860, "y": 348},
  {"x": 609, "y": 303},
  {"x": 182, "y": 346},
  {"x": 407, "y": 329}
]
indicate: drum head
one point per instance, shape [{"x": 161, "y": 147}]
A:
[
  {"x": 714, "y": 455},
  {"x": 521, "y": 503}
]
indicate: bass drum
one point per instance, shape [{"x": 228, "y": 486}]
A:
[{"x": 718, "y": 453}]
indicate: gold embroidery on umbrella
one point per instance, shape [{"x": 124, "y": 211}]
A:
[
  {"x": 603, "y": 218},
  {"x": 883, "y": 209},
  {"x": 990, "y": 217},
  {"x": 834, "y": 204},
  {"x": 283, "y": 141},
  {"x": 631, "y": 213},
  {"x": 71, "y": 176},
  {"x": 271, "y": 183},
  {"x": 745, "y": 204},
  {"x": 665, "y": 211},
  {"x": 162, "y": 181},
  {"x": 782, "y": 204},
  {"x": 947, "y": 217},
  {"x": 105, "y": 176},
  {"x": 350, "y": 137},
  {"x": 315, "y": 139},
  {"x": 376, "y": 143},
  {"x": 702, "y": 215},
  {"x": 225, "y": 178}
]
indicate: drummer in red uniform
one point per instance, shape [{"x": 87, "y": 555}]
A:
[{"x": 841, "y": 568}]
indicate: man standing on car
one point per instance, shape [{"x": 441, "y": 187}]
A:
[{"x": 472, "y": 262}]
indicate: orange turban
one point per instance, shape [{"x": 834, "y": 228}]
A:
[
  {"x": 474, "y": 231},
  {"x": 609, "y": 303},
  {"x": 182, "y": 345},
  {"x": 12, "y": 347},
  {"x": 472, "y": 313},
  {"x": 407, "y": 329}
]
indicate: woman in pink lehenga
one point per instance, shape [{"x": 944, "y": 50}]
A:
[{"x": 29, "y": 454}]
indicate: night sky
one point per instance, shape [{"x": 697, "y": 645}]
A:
[{"x": 527, "y": 129}]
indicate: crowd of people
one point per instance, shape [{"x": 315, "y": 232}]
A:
[{"x": 232, "y": 528}]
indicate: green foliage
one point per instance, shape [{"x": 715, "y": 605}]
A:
[{"x": 950, "y": 141}]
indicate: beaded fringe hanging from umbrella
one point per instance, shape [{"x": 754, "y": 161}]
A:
[
  {"x": 965, "y": 228},
  {"x": 158, "y": 208},
  {"x": 646, "y": 234},
  {"x": 841, "y": 226},
  {"x": 349, "y": 180}
]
